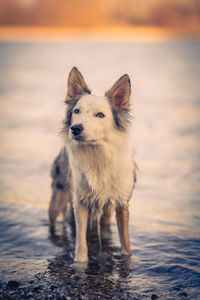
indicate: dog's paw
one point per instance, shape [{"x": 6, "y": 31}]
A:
[
  {"x": 126, "y": 252},
  {"x": 82, "y": 258}
]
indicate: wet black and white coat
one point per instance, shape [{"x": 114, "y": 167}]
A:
[{"x": 97, "y": 137}]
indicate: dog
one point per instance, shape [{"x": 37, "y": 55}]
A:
[{"x": 95, "y": 172}]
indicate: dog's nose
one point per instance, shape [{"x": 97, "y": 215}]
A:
[{"x": 76, "y": 129}]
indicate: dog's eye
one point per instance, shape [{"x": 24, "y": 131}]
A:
[
  {"x": 100, "y": 115},
  {"x": 77, "y": 111}
]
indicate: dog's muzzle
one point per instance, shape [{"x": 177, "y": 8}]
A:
[{"x": 76, "y": 130}]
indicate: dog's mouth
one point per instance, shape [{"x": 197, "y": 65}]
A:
[
  {"x": 78, "y": 138},
  {"x": 82, "y": 140}
]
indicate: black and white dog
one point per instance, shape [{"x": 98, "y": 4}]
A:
[{"x": 96, "y": 170}]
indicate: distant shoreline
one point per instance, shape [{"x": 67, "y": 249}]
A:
[{"x": 114, "y": 33}]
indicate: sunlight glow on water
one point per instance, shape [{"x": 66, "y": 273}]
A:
[{"x": 164, "y": 225}]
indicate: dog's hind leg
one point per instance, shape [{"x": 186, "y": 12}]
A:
[
  {"x": 81, "y": 220},
  {"x": 53, "y": 211},
  {"x": 122, "y": 216},
  {"x": 57, "y": 206},
  {"x": 106, "y": 217}
]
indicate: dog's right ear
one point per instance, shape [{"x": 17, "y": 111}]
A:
[{"x": 76, "y": 85}]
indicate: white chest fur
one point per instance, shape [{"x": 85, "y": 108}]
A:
[{"x": 101, "y": 174}]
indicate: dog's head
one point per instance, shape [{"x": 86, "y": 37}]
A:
[{"x": 91, "y": 119}]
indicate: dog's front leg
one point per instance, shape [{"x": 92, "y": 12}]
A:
[
  {"x": 122, "y": 216},
  {"x": 81, "y": 220}
]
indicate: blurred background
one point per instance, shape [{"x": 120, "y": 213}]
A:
[
  {"x": 157, "y": 43},
  {"x": 180, "y": 17},
  {"x": 180, "y": 13}
]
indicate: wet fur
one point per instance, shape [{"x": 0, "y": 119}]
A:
[{"x": 99, "y": 169}]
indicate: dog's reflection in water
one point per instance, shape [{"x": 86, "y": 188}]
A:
[
  {"x": 106, "y": 273},
  {"x": 63, "y": 235},
  {"x": 103, "y": 263}
]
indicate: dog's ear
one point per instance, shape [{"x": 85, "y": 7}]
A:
[
  {"x": 120, "y": 92},
  {"x": 76, "y": 85}
]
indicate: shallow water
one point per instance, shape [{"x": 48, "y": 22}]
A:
[{"x": 164, "y": 224}]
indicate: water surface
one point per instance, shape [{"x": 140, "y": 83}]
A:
[{"x": 164, "y": 222}]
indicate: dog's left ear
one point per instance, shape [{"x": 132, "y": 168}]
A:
[
  {"x": 76, "y": 85},
  {"x": 120, "y": 92}
]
